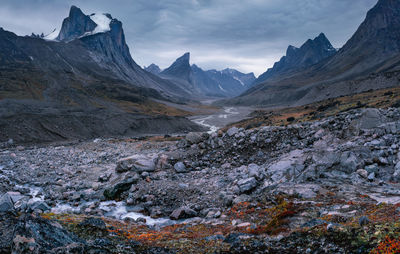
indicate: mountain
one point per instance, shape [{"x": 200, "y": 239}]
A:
[
  {"x": 311, "y": 52},
  {"x": 85, "y": 86},
  {"x": 103, "y": 34},
  {"x": 370, "y": 59},
  {"x": 211, "y": 83},
  {"x": 153, "y": 68}
]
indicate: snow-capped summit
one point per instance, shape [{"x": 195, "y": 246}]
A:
[{"x": 77, "y": 25}]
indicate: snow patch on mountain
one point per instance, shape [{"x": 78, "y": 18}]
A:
[
  {"x": 241, "y": 82},
  {"x": 53, "y": 35},
  {"x": 102, "y": 21}
]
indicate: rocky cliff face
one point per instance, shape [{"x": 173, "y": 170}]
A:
[
  {"x": 311, "y": 52},
  {"x": 75, "y": 25}
]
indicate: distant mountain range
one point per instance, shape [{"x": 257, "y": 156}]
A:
[
  {"x": 315, "y": 72},
  {"x": 211, "y": 83},
  {"x": 310, "y": 53}
]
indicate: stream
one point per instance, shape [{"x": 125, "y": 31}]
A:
[{"x": 222, "y": 118}]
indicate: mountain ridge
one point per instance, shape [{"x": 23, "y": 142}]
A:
[{"x": 360, "y": 65}]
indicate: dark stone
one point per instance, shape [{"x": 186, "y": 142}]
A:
[
  {"x": 363, "y": 221},
  {"x": 116, "y": 191}
]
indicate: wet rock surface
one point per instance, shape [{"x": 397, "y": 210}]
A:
[{"x": 263, "y": 189}]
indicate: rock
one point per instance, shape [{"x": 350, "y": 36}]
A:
[
  {"x": 181, "y": 168},
  {"x": 371, "y": 177},
  {"x": 194, "y": 137},
  {"x": 370, "y": 118},
  {"x": 6, "y": 204},
  {"x": 240, "y": 199},
  {"x": 115, "y": 191},
  {"x": 183, "y": 213},
  {"x": 104, "y": 177},
  {"x": 40, "y": 205},
  {"x": 38, "y": 235},
  {"x": 255, "y": 171},
  {"x": 94, "y": 223},
  {"x": 244, "y": 225},
  {"x": 141, "y": 220},
  {"x": 135, "y": 163},
  {"x": 144, "y": 165},
  {"x": 363, "y": 173},
  {"x": 232, "y": 131},
  {"x": 348, "y": 162},
  {"x": 246, "y": 185},
  {"x": 396, "y": 174},
  {"x": 372, "y": 168},
  {"x": 363, "y": 221}
]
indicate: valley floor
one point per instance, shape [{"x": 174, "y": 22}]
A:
[{"x": 327, "y": 186}]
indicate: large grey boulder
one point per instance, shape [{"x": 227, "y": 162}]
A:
[
  {"x": 370, "y": 118},
  {"x": 183, "y": 213},
  {"x": 194, "y": 137},
  {"x": 6, "y": 203},
  {"x": 136, "y": 163},
  {"x": 246, "y": 185}
]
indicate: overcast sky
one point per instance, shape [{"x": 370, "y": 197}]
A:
[{"x": 249, "y": 35}]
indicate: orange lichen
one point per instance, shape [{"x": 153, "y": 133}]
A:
[{"x": 388, "y": 246}]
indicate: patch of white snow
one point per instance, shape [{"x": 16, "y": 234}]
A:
[
  {"x": 52, "y": 36},
  {"x": 102, "y": 21}
]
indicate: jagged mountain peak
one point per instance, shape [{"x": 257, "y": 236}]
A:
[
  {"x": 153, "y": 68},
  {"x": 180, "y": 68},
  {"x": 78, "y": 24},
  {"x": 311, "y": 52},
  {"x": 185, "y": 58}
]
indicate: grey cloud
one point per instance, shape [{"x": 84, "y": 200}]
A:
[{"x": 249, "y": 34}]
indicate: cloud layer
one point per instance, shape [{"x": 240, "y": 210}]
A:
[{"x": 249, "y": 35}]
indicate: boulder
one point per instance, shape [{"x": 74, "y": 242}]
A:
[
  {"x": 6, "y": 203},
  {"x": 194, "y": 137},
  {"x": 370, "y": 118},
  {"x": 255, "y": 171},
  {"x": 136, "y": 163},
  {"x": 348, "y": 162},
  {"x": 181, "y": 168},
  {"x": 183, "y": 213},
  {"x": 116, "y": 190},
  {"x": 246, "y": 185},
  {"x": 40, "y": 205},
  {"x": 232, "y": 131}
]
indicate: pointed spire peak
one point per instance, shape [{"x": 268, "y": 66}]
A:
[
  {"x": 184, "y": 59},
  {"x": 75, "y": 11},
  {"x": 185, "y": 56}
]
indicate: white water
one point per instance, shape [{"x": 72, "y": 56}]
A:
[{"x": 112, "y": 209}]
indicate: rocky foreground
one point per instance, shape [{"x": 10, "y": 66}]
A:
[{"x": 329, "y": 186}]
